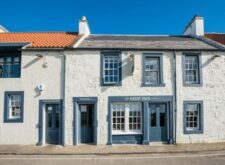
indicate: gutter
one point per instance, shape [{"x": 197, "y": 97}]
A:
[
  {"x": 175, "y": 97},
  {"x": 64, "y": 97}
]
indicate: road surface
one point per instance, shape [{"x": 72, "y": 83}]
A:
[{"x": 210, "y": 158}]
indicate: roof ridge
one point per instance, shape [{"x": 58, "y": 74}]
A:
[
  {"x": 39, "y": 32},
  {"x": 135, "y": 35}
]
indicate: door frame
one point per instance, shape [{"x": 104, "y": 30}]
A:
[
  {"x": 76, "y": 117},
  {"x": 42, "y": 120},
  {"x": 167, "y": 120}
]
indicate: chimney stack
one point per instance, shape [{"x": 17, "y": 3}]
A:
[
  {"x": 83, "y": 26},
  {"x": 195, "y": 27}
]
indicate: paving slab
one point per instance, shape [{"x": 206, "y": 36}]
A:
[{"x": 105, "y": 149}]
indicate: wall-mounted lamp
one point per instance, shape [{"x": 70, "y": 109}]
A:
[
  {"x": 39, "y": 55},
  {"x": 215, "y": 56},
  {"x": 40, "y": 88},
  {"x": 131, "y": 57}
]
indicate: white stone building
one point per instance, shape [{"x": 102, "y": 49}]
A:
[{"x": 72, "y": 88}]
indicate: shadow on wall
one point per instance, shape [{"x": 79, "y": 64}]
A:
[
  {"x": 45, "y": 64},
  {"x": 209, "y": 60},
  {"x": 32, "y": 62},
  {"x": 127, "y": 67},
  {"x": 37, "y": 92}
]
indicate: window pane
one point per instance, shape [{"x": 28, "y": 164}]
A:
[
  {"x": 152, "y": 70},
  {"x": 153, "y": 118},
  {"x": 192, "y": 116},
  {"x": 57, "y": 116},
  {"x": 16, "y": 60},
  {"x": 111, "y": 69},
  {"x": 14, "y": 106},
  {"x": 84, "y": 118},
  {"x": 135, "y": 117},
  {"x": 50, "y": 120},
  {"x": 162, "y": 119},
  {"x": 8, "y": 59},
  {"x": 118, "y": 111},
  {"x": 10, "y": 66},
  {"x": 191, "y": 69}
]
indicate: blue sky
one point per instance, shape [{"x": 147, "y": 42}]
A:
[{"x": 111, "y": 16}]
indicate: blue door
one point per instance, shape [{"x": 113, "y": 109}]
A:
[
  {"x": 86, "y": 123},
  {"x": 53, "y": 123},
  {"x": 158, "y": 123}
]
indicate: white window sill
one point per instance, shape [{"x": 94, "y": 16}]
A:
[
  {"x": 14, "y": 118},
  {"x": 192, "y": 129},
  {"x": 127, "y": 133}
]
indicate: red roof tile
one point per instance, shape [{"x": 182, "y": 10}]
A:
[
  {"x": 41, "y": 39},
  {"x": 216, "y": 37}
]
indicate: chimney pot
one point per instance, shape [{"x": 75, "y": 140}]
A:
[{"x": 83, "y": 18}]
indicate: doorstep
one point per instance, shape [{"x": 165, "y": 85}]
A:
[{"x": 107, "y": 150}]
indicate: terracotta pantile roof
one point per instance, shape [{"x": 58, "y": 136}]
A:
[
  {"x": 219, "y": 37},
  {"x": 41, "y": 39}
]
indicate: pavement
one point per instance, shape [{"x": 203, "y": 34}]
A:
[
  {"x": 206, "y": 158},
  {"x": 109, "y": 150}
]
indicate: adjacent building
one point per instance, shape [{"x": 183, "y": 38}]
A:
[{"x": 72, "y": 88}]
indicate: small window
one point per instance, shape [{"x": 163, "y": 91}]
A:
[
  {"x": 111, "y": 71},
  {"x": 191, "y": 67},
  {"x": 152, "y": 70},
  {"x": 126, "y": 117},
  {"x": 193, "y": 117},
  {"x": 13, "y": 107},
  {"x": 10, "y": 66}
]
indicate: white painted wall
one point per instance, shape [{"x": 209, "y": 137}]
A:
[
  {"x": 83, "y": 80},
  {"x": 213, "y": 95},
  {"x": 32, "y": 74}
]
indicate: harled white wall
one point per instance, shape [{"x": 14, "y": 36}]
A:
[
  {"x": 212, "y": 93},
  {"x": 83, "y": 80},
  {"x": 32, "y": 74}
]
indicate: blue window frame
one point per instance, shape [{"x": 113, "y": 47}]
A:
[
  {"x": 193, "y": 117},
  {"x": 192, "y": 73},
  {"x": 10, "y": 65},
  {"x": 152, "y": 72},
  {"x": 111, "y": 68},
  {"x": 14, "y": 107}
]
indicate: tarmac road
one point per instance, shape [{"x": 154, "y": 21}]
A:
[{"x": 206, "y": 158}]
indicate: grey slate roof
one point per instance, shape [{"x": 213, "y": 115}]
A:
[{"x": 144, "y": 42}]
